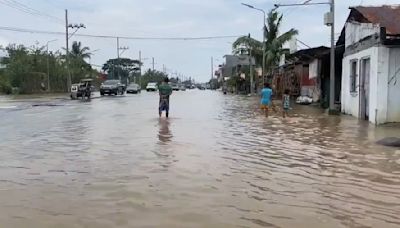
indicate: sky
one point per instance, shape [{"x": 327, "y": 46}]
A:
[{"x": 167, "y": 18}]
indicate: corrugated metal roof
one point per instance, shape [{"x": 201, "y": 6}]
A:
[{"x": 386, "y": 16}]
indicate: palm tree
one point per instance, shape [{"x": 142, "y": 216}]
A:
[
  {"x": 79, "y": 52},
  {"x": 246, "y": 42},
  {"x": 79, "y": 68},
  {"x": 274, "y": 42}
]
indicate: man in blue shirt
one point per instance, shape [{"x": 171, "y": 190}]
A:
[{"x": 266, "y": 98}]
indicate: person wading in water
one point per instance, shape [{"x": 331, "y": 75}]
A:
[{"x": 165, "y": 91}]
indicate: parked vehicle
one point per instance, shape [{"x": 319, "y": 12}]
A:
[
  {"x": 83, "y": 89},
  {"x": 133, "y": 88},
  {"x": 112, "y": 87},
  {"x": 175, "y": 87},
  {"x": 182, "y": 88},
  {"x": 201, "y": 87},
  {"x": 151, "y": 86}
]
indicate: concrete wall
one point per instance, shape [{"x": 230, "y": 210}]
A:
[
  {"x": 384, "y": 99},
  {"x": 357, "y": 31},
  {"x": 393, "y": 114},
  {"x": 378, "y": 85},
  {"x": 351, "y": 100}
]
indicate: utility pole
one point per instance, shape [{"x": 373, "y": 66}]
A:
[
  {"x": 48, "y": 68},
  {"x": 212, "y": 68},
  {"x": 251, "y": 72},
  {"x": 48, "y": 64},
  {"x": 69, "y": 80},
  {"x": 264, "y": 34},
  {"x": 117, "y": 47},
  {"x": 330, "y": 22},
  {"x": 140, "y": 69},
  {"x": 153, "y": 62},
  {"x": 332, "y": 76},
  {"x": 251, "y": 69},
  {"x": 67, "y": 37},
  {"x": 118, "y": 57}
]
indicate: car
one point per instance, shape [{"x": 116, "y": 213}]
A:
[
  {"x": 182, "y": 87},
  {"x": 151, "y": 86},
  {"x": 112, "y": 87},
  {"x": 175, "y": 87},
  {"x": 133, "y": 88}
]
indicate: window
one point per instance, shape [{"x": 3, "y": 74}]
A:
[{"x": 353, "y": 76}]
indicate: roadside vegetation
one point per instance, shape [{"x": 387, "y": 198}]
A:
[
  {"x": 274, "y": 49},
  {"x": 25, "y": 69}
]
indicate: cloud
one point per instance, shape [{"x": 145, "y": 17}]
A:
[{"x": 168, "y": 18}]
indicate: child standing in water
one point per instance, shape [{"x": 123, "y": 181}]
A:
[
  {"x": 285, "y": 103},
  {"x": 266, "y": 98}
]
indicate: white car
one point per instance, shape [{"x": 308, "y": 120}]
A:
[{"x": 151, "y": 86}]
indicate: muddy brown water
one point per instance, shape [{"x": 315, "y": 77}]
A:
[{"x": 217, "y": 162}]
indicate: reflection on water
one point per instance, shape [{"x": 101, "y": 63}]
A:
[
  {"x": 114, "y": 163},
  {"x": 164, "y": 134}
]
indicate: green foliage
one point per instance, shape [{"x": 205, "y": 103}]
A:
[
  {"x": 214, "y": 83},
  {"x": 152, "y": 76},
  {"x": 79, "y": 52},
  {"x": 273, "y": 42},
  {"x": 26, "y": 69},
  {"x": 5, "y": 86},
  {"x": 243, "y": 43},
  {"x": 124, "y": 69}
]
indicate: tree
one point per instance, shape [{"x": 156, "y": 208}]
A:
[
  {"x": 153, "y": 76},
  {"x": 79, "y": 52},
  {"x": 246, "y": 42},
  {"x": 124, "y": 69},
  {"x": 274, "y": 42}
]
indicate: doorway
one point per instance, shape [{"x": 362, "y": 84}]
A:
[{"x": 365, "y": 67}]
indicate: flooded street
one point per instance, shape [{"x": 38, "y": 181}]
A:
[{"x": 217, "y": 162}]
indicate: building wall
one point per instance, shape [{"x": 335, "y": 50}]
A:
[
  {"x": 351, "y": 100},
  {"x": 393, "y": 114},
  {"x": 380, "y": 96},
  {"x": 380, "y": 85},
  {"x": 357, "y": 31}
]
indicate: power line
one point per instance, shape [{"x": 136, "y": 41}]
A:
[
  {"x": 13, "y": 29},
  {"x": 28, "y": 10},
  {"x": 34, "y": 10}
]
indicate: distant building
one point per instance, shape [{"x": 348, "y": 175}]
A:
[
  {"x": 233, "y": 63},
  {"x": 371, "y": 64}
]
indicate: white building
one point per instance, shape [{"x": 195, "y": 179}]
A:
[{"x": 371, "y": 64}]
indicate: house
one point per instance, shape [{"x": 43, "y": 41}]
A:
[
  {"x": 306, "y": 73},
  {"x": 371, "y": 64},
  {"x": 236, "y": 65},
  {"x": 233, "y": 63}
]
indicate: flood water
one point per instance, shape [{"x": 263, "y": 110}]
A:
[{"x": 217, "y": 162}]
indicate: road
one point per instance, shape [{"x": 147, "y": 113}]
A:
[{"x": 217, "y": 162}]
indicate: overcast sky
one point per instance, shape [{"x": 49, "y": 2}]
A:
[{"x": 167, "y": 18}]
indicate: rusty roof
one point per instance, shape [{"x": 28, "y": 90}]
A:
[{"x": 387, "y": 16}]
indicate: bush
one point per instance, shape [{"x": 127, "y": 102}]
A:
[{"x": 5, "y": 86}]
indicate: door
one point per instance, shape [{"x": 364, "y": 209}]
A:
[{"x": 364, "y": 88}]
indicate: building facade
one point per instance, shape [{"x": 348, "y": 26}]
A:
[{"x": 371, "y": 64}]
